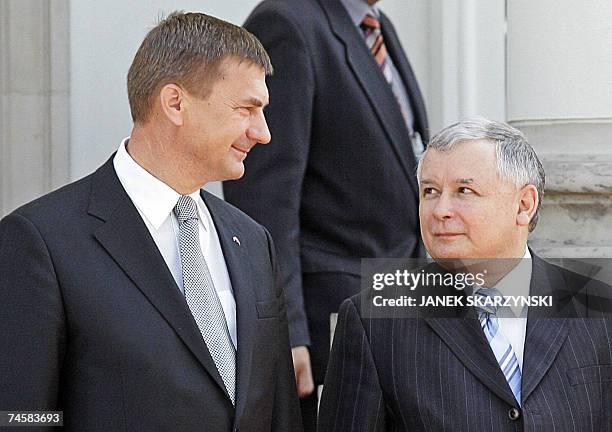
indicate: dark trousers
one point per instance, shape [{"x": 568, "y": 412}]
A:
[{"x": 323, "y": 294}]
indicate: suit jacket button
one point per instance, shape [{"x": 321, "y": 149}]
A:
[{"x": 514, "y": 413}]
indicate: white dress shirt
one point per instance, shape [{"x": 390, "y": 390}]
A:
[
  {"x": 155, "y": 202},
  {"x": 516, "y": 283}
]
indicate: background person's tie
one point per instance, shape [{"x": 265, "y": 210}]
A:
[
  {"x": 376, "y": 43},
  {"x": 202, "y": 297},
  {"x": 499, "y": 344},
  {"x": 374, "y": 39}
]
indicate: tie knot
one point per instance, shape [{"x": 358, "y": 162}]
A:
[
  {"x": 485, "y": 294},
  {"x": 370, "y": 22},
  {"x": 185, "y": 209}
]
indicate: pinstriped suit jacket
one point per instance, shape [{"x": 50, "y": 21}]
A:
[{"x": 433, "y": 373}]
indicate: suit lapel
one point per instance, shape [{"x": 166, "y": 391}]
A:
[
  {"x": 408, "y": 77},
  {"x": 379, "y": 93},
  {"x": 464, "y": 337},
  {"x": 547, "y": 329},
  {"x": 127, "y": 240},
  {"x": 235, "y": 251}
]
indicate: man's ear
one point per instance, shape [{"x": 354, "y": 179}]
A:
[
  {"x": 528, "y": 204},
  {"x": 172, "y": 99}
]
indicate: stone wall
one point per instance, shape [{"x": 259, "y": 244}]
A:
[
  {"x": 34, "y": 91},
  {"x": 558, "y": 92}
]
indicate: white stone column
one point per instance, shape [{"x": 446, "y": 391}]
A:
[
  {"x": 559, "y": 92},
  {"x": 466, "y": 61},
  {"x": 34, "y": 108}
]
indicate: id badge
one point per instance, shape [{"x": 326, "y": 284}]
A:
[{"x": 417, "y": 146}]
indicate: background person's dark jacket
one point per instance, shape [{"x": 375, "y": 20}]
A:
[{"x": 337, "y": 182}]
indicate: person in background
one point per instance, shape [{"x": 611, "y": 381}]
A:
[{"x": 337, "y": 183}]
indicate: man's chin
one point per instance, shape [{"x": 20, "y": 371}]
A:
[
  {"x": 449, "y": 252},
  {"x": 236, "y": 173}
]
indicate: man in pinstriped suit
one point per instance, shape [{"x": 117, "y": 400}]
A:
[{"x": 466, "y": 367}]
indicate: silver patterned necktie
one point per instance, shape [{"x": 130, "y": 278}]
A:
[
  {"x": 500, "y": 345},
  {"x": 202, "y": 297}
]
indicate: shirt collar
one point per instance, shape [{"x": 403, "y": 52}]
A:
[
  {"x": 516, "y": 282},
  {"x": 358, "y": 9},
  {"x": 152, "y": 197}
]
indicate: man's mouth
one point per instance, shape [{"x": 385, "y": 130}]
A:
[
  {"x": 447, "y": 234},
  {"x": 242, "y": 151}
]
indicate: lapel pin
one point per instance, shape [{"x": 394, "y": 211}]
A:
[{"x": 236, "y": 240}]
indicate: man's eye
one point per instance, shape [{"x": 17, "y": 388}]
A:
[
  {"x": 428, "y": 191},
  {"x": 465, "y": 190}
]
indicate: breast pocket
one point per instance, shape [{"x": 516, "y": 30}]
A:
[
  {"x": 267, "y": 308},
  {"x": 266, "y": 333},
  {"x": 595, "y": 374},
  {"x": 592, "y": 395}
]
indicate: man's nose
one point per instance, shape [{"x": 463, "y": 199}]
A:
[
  {"x": 259, "y": 131},
  {"x": 444, "y": 207}
]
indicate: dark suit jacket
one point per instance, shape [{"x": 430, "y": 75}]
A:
[
  {"x": 93, "y": 323},
  {"x": 337, "y": 182},
  {"x": 437, "y": 373}
]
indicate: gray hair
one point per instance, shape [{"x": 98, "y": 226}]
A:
[
  {"x": 516, "y": 160},
  {"x": 187, "y": 49}
]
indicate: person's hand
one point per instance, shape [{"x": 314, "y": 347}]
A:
[{"x": 303, "y": 371}]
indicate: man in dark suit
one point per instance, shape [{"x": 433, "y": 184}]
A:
[
  {"x": 337, "y": 184},
  {"x": 479, "y": 366},
  {"x": 133, "y": 300}
]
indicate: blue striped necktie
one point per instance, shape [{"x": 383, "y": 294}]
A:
[{"x": 499, "y": 344}]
